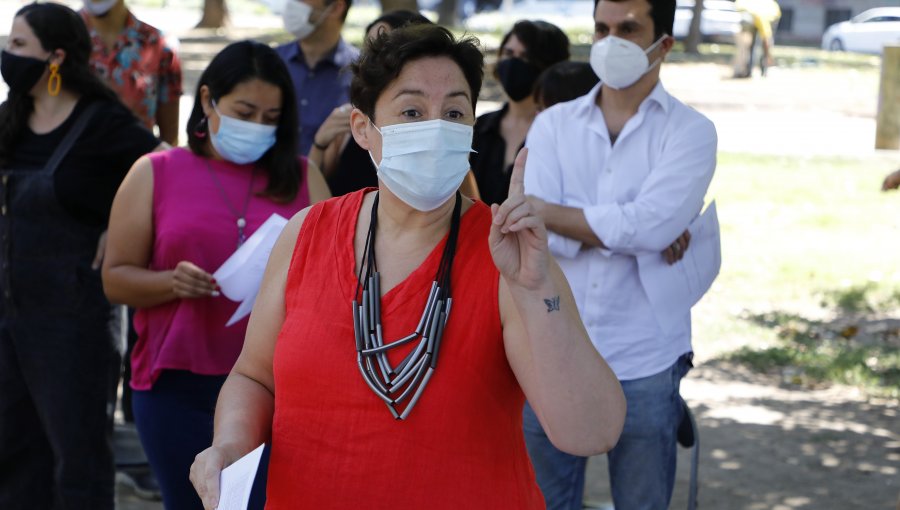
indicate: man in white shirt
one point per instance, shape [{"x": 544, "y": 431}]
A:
[{"x": 618, "y": 176}]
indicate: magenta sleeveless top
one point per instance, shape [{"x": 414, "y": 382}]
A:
[{"x": 192, "y": 221}]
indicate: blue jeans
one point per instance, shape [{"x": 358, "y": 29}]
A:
[{"x": 642, "y": 464}]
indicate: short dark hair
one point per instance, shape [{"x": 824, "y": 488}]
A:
[
  {"x": 564, "y": 81},
  {"x": 384, "y": 57},
  {"x": 398, "y": 18},
  {"x": 544, "y": 42},
  {"x": 237, "y": 63},
  {"x": 57, "y": 27},
  {"x": 662, "y": 12}
]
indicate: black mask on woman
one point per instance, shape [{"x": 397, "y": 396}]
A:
[
  {"x": 517, "y": 77},
  {"x": 21, "y": 73}
]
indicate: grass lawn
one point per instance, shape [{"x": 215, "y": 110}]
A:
[{"x": 811, "y": 269}]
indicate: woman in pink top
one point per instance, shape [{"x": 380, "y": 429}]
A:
[{"x": 177, "y": 217}]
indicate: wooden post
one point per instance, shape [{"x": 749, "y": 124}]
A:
[{"x": 887, "y": 129}]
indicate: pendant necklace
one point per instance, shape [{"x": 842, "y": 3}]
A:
[
  {"x": 242, "y": 215},
  {"x": 394, "y": 385}
]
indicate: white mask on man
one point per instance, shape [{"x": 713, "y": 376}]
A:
[
  {"x": 620, "y": 63},
  {"x": 99, "y": 9},
  {"x": 424, "y": 163},
  {"x": 296, "y": 18}
]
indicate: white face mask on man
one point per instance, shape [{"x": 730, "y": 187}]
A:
[
  {"x": 424, "y": 163},
  {"x": 99, "y": 8},
  {"x": 296, "y": 18},
  {"x": 620, "y": 63}
]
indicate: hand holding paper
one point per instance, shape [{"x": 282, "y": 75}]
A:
[
  {"x": 237, "y": 480},
  {"x": 240, "y": 275}
]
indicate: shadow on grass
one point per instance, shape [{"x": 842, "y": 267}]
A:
[{"x": 859, "y": 344}]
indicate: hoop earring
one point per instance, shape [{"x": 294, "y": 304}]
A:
[
  {"x": 54, "y": 83},
  {"x": 202, "y": 128}
]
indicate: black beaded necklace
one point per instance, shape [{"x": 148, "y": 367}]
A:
[{"x": 394, "y": 385}]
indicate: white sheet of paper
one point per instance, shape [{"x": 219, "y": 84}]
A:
[
  {"x": 673, "y": 290},
  {"x": 236, "y": 480},
  {"x": 242, "y": 311},
  {"x": 239, "y": 277}
]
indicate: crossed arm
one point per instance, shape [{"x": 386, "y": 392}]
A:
[{"x": 654, "y": 220}]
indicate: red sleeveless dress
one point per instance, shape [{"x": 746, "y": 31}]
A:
[{"x": 335, "y": 445}]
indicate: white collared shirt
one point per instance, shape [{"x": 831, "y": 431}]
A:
[{"x": 638, "y": 196}]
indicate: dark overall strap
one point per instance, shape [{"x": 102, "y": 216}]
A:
[{"x": 69, "y": 140}]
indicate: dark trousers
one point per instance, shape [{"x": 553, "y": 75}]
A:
[
  {"x": 175, "y": 422},
  {"x": 131, "y": 338},
  {"x": 54, "y": 432}
]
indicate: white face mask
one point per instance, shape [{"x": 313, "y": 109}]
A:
[
  {"x": 424, "y": 163},
  {"x": 99, "y": 8},
  {"x": 241, "y": 141},
  {"x": 620, "y": 63},
  {"x": 296, "y": 18}
]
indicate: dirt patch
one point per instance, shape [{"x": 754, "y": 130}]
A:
[{"x": 770, "y": 445}]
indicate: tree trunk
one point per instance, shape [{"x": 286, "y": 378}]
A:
[
  {"x": 215, "y": 14},
  {"x": 393, "y": 5},
  {"x": 692, "y": 43},
  {"x": 447, "y": 13}
]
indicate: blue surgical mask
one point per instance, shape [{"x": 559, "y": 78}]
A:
[{"x": 241, "y": 141}]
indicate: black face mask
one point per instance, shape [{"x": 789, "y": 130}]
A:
[
  {"x": 517, "y": 77},
  {"x": 21, "y": 73}
]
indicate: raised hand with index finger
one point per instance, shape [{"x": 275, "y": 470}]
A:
[{"x": 518, "y": 237}]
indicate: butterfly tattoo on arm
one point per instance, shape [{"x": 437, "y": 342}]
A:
[{"x": 552, "y": 304}]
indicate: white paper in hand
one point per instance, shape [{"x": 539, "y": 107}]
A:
[
  {"x": 673, "y": 289},
  {"x": 236, "y": 480},
  {"x": 240, "y": 275}
]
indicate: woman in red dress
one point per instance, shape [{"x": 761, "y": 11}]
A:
[{"x": 399, "y": 329}]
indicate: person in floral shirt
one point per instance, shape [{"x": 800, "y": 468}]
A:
[{"x": 135, "y": 60}]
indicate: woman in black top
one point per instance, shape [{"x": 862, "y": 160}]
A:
[
  {"x": 65, "y": 145},
  {"x": 526, "y": 50}
]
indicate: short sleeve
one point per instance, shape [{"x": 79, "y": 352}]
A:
[
  {"x": 126, "y": 138},
  {"x": 170, "y": 87},
  {"x": 89, "y": 177}
]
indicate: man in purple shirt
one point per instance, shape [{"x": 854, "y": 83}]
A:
[{"x": 317, "y": 60}]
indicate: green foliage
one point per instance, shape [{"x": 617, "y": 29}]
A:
[
  {"x": 864, "y": 298},
  {"x": 874, "y": 369},
  {"x": 854, "y": 348}
]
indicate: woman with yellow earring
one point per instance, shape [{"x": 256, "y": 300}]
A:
[{"x": 66, "y": 143}]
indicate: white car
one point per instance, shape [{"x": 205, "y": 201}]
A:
[
  {"x": 720, "y": 20},
  {"x": 868, "y": 32}
]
